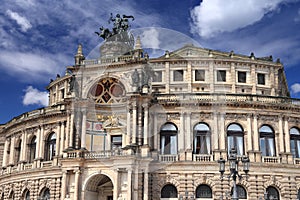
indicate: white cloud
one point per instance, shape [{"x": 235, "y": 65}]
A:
[
  {"x": 22, "y": 21},
  {"x": 295, "y": 88},
  {"x": 34, "y": 96},
  {"x": 216, "y": 16},
  {"x": 31, "y": 66},
  {"x": 149, "y": 38}
]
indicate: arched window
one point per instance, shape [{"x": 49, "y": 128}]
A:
[
  {"x": 26, "y": 195},
  {"x": 169, "y": 191},
  {"x": 32, "y": 149},
  {"x": 242, "y": 193},
  {"x": 272, "y": 193},
  {"x": 202, "y": 139},
  {"x": 235, "y": 138},
  {"x": 295, "y": 142},
  {"x": 203, "y": 191},
  {"x": 50, "y": 146},
  {"x": 267, "y": 141},
  {"x": 18, "y": 151},
  {"x": 168, "y": 139},
  {"x": 45, "y": 194},
  {"x": 11, "y": 195}
]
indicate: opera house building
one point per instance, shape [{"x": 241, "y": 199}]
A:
[{"x": 126, "y": 126}]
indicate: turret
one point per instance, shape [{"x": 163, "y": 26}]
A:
[{"x": 79, "y": 57}]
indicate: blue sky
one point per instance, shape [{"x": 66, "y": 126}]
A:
[{"x": 38, "y": 39}]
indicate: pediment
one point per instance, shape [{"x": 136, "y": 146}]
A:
[{"x": 190, "y": 51}]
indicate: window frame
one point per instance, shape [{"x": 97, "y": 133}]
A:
[
  {"x": 205, "y": 194},
  {"x": 221, "y": 75},
  {"x": 235, "y": 136},
  {"x": 176, "y": 77},
  {"x": 201, "y": 75},
  {"x": 266, "y": 137},
  {"x": 203, "y": 138},
  {"x": 169, "y": 136},
  {"x": 171, "y": 193},
  {"x": 295, "y": 141},
  {"x": 50, "y": 147},
  {"x": 242, "y": 78},
  {"x": 261, "y": 79}
]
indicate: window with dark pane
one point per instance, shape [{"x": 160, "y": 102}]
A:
[
  {"x": 221, "y": 75},
  {"x": 261, "y": 79},
  {"x": 116, "y": 141},
  {"x": 169, "y": 191},
  {"x": 203, "y": 191},
  {"x": 295, "y": 142},
  {"x": 202, "y": 139},
  {"x": 178, "y": 75},
  {"x": 199, "y": 75},
  {"x": 157, "y": 77},
  {"x": 267, "y": 141},
  {"x": 242, "y": 77}
]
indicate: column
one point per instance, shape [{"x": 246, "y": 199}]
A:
[
  {"x": 189, "y": 76},
  {"x": 233, "y": 77},
  {"x": 181, "y": 139},
  {"x": 57, "y": 94},
  {"x": 146, "y": 121},
  {"x": 134, "y": 125},
  {"x": 249, "y": 133},
  {"x": 83, "y": 130},
  {"x": 128, "y": 136},
  {"x": 129, "y": 183},
  {"x": 5, "y": 154},
  {"x": 188, "y": 131},
  {"x": 253, "y": 79},
  {"x": 116, "y": 184},
  {"x": 222, "y": 132},
  {"x": 12, "y": 151},
  {"x": 287, "y": 136},
  {"x": 62, "y": 137},
  {"x": 281, "y": 137},
  {"x": 37, "y": 148},
  {"x": 41, "y": 143},
  {"x": 146, "y": 179},
  {"x": 211, "y": 77},
  {"x": 76, "y": 189},
  {"x": 71, "y": 133},
  {"x": 155, "y": 132},
  {"x": 63, "y": 184},
  {"x": 215, "y": 133},
  {"x": 255, "y": 134},
  {"x": 58, "y": 139},
  {"x": 167, "y": 80}
]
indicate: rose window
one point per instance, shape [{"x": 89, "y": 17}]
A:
[{"x": 108, "y": 90}]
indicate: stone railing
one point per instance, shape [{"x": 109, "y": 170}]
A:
[
  {"x": 225, "y": 98},
  {"x": 270, "y": 159},
  {"x": 45, "y": 164},
  {"x": 95, "y": 154},
  {"x": 168, "y": 158},
  {"x": 297, "y": 161},
  {"x": 28, "y": 166},
  {"x": 202, "y": 158}
]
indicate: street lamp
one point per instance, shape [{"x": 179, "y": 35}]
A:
[{"x": 234, "y": 160}]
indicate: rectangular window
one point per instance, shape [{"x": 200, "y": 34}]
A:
[
  {"x": 221, "y": 75},
  {"x": 157, "y": 77},
  {"x": 261, "y": 79},
  {"x": 178, "y": 75},
  {"x": 116, "y": 142},
  {"x": 199, "y": 75},
  {"x": 242, "y": 77}
]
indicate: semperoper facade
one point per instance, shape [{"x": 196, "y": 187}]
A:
[{"x": 126, "y": 126}]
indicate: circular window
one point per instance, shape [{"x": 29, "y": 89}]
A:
[{"x": 116, "y": 90}]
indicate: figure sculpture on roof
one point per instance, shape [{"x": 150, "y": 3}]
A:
[{"x": 119, "y": 30}]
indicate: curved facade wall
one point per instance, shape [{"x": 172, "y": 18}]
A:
[{"x": 130, "y": 127}]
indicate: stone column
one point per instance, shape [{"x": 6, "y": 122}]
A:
[
  {"x": 233, "y": 77},
  {"x": 167, "y": 76},
  {"x": 116, "y": 184},
  {"x": 57, "y": 145},
  {"x": 255, "y": 134},
  {"x": 128, "y": 136},
  {"x": 134, "y": 124},
  {"x": 249, "y": 133},
  {"x": 155, "y": 132},
  {"x": 41, "y": 143},
  {"x": 188, "y": 131},
  {"x": 64, "y": 184},
  {"x": 146, "y": 179},
  {"x": 281, "y": 136},
  {"x": 222, "y": 132},
  {"x": 76, "y": 189},
  {"x": 287, "y": 136},
  {"x": 253, "y": 79},
  {"x": 71, "y": 133},
  {"x": 5, "y": 154},
  {"x": 189, "y": 76},
  {"x": 12, "y": 151},
  {"x": 62, "y": 136},
  {"x": 83, "y": 130},
  {"x": 146, "y": 121},
  {"x": 129, "y": 180},
  {"x": 211, "y": 77},
  {"x": 67, "y": 131}
]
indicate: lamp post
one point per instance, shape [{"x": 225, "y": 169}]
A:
[{"x": 233, "y": 166}]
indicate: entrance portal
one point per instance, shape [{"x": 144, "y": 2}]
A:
[{"x": 99, "y": 187}]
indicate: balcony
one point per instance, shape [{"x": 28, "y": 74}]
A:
[
  {"x": 168, "y": 158},
  {"x": 202, "y": 157},
  {"x": 270, "y": 159},
  {"x": 95, "y": 154}
]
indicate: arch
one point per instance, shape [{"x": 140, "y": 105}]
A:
[
  {"x": 203, "y": 191},
  {"x": 273, "y": 193},
  {"x": 45, "y": 194},
  {"x": 50, "y": 146},
  {"x": 267, "y": 140},
  {"x": 235, "y": 138},
  {"x": 295, "y": 141},
  {"x": 26, "y": 194},
  {"x": 168, "y": 138},
  {"x": 11, "y": 195},
  {"x": 98, "y": 185},
  {"x": 107, "y": 90},
  {"x": 169, "y": 191},
  {"x": 202, "y": 139},
  {"x": 18, "y": 150},
  {"x": 32, "y": 149}
]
